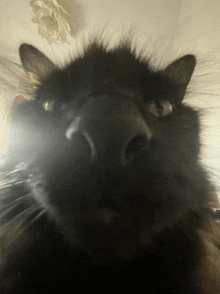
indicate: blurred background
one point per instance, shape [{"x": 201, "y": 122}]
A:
[{"x": 161, "y": 29}]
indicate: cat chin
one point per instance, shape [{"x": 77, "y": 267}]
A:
[{"x": 109, "y": 236}]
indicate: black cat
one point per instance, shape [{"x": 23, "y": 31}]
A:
[{"x": 102, "y": 189}]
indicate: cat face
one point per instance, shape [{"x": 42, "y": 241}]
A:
[{"x": 112, "y": 152}]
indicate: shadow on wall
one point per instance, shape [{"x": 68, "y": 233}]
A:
[{"x": 57, "y": 21}]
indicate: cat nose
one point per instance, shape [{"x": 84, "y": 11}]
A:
[{"x": 113, "y": 128}]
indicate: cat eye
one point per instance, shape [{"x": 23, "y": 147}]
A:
[
  {"x": 160, "y": 107},
  {"x": 48, "y": 106},
  {"x": 56, "y": 108}
]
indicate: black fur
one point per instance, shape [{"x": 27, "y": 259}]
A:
[{"x": 69, "y": 225}]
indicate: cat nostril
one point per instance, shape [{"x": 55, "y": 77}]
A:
[{"x": 136, "y": 144}]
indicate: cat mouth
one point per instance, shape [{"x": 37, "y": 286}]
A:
[{"x": 120, "y": 234}]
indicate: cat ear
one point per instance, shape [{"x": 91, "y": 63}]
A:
[
  {"x": 36, "y": 65},
  {"x": 180, "y": 71}
]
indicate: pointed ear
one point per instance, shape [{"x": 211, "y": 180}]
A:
[
  {"x": 36, "y": 65},
  {"x": 180, "y": 71}
]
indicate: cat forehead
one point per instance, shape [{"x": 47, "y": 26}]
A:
[{"x": 77, "y": 82}]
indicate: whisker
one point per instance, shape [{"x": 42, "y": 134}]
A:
[
  {"x": 17, "y": 197},
  {"x": 12, "y": 234},
  {"x": 19, "y": 230},
  {"x": 37, "y": 217},
  {"x": 27, "y": 213},
  {"x": 11, "y": 172},
  {"x": 16, "y": 202},
  {"x": 8, "y": 184},
  {"x": 11, "y": 207}
]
